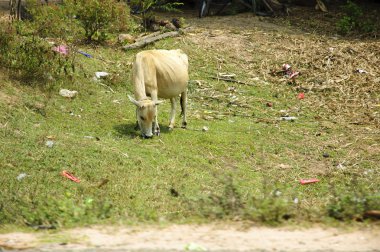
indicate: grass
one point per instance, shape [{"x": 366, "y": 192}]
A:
[{"x": 247, "y": 166}]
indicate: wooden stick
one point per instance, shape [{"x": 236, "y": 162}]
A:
[
  {"x": 232, "y": 80},
  {"x": 149, "y": 40}
]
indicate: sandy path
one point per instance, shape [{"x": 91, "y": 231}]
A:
[{"x": 210, "y": 237}]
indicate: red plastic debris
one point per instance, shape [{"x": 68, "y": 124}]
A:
[
  {"x": 70, "y": 176},
  {"x": 301, "y": 96},
  {"x": 308, "y": 181}
]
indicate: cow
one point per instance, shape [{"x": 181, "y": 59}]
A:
[{"x": 159, "y": 74}]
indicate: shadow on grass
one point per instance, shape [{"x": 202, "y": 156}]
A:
[
  {"x": 131, "y": 130},
  {"x": 128, "y": 129}
]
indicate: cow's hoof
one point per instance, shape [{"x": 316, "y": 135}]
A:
[
  {"x": 184, "y": 125},
  {"x": 171, "y": 128},
  {"x": 157, "y": 132}
]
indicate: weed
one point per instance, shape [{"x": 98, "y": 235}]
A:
[
  {"x": 352, "y": 202},
  {"x": 270, "y": 205}
]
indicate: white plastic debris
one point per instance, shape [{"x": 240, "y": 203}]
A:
[
  {"x": 68, "y": 93},
  {"x": 101, "y": 74},
  {"x": 21, "y": 176},
  {"x": 49, "y": 143},
  {"x": 362, "y": 71},
  {"x": 288, "y": 118},
  {"x": 296, "y": 201}
]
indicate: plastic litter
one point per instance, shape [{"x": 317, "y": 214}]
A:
[
  {"x": 62, "y": 49},
  {"x": 70, "y": 176},
  {"x": 195, "y": 247},
  {"x": 362, "y": 71},
  {"x": 68, "y": 93},
  {"x": 101, "y": 74},
  {"x": 85, "y": 54},
  {"x": 49, "y": 143},
  {"x": 287, "y": 69},
  {"x": 288, "y": 118},
  {"x": 301, "y": 96},
  {"x": 308, "y": 181},
  {"x": 21, "y": 176}
]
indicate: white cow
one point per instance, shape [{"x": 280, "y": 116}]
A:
[{"x": 159, "y": 74}]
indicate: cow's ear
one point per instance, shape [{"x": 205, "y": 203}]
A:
[
  {"x": 134, "y": 101},
  {"x": 158, "y": 102}
]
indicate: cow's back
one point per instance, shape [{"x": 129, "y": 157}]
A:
[{"x": 164, "y": 70}]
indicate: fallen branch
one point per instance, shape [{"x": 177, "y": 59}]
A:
[
  {"x": 149, "y": 40},
  {"x": 232, "y": 80},
  {"x": 154, "y": 34}
]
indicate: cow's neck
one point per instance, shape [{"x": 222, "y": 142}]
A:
[{"x": 140, "y": 93}]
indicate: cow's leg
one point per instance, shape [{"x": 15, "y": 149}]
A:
[
  {"x": 172, "y": 113},
  {"x": 156, "y": 128},
  {"x": 183, "y": 108}
]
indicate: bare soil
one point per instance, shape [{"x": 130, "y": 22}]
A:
[{"x": 210, "y": 237}]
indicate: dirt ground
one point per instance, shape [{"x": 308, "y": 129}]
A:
[{"x": 196, "y": 238}]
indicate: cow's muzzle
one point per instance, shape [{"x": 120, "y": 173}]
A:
[{"x": 146, "y": 136}]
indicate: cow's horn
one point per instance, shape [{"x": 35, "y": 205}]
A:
[
  {"x": 158, "y": 102},
  {"x": 134, "y": 101}
]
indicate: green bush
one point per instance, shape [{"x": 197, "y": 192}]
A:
[
  {"x": 354, "y": 20},
  {"x": 74, "y": 19},
  {"x": 52, "y": 20},
  {"x": 98, "y": 17},
  {"x": 31, "y": 58}
]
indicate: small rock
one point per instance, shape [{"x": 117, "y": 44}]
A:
[
  {"x": 269, "y": 104},
  {"x": 176, "y": 23},
  {"x": 205, "y": 128},
  {"x": 326, "y": 155},
  {"x": 171, "y": 27},
  {"x": 126, "y": 38},
  {"x": 101, "y": 74},
  {"x": 68, "y": 93}
]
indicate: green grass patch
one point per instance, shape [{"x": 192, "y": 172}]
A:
[{"x": 246, "y": 166}]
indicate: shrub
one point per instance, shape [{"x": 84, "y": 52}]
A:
[
  {"x": 353, "y": 201},
  {"x": 51, "y": 20},
  {"x": 354, "y": 20},
  {"x": 98, "y": 17},
  {"x": 31, "y": 58}
]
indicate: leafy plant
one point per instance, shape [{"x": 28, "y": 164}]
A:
[
  {"x": 51, "y": 20},
  {"x": 97, "y": 17},
  {"x": 31, "y": 58},
  {"x": 146, "y": 8},
  {"x": 353, "y": 19}
]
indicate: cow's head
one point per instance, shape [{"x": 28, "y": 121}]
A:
[{"x": 145, "y": 115}]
